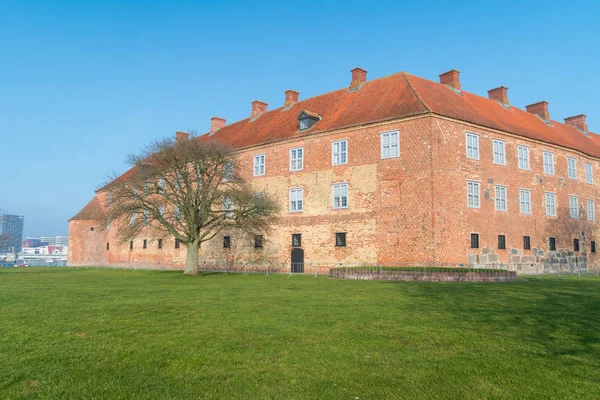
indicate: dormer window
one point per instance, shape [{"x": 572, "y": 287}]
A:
[{"x": 307, "y": 119}]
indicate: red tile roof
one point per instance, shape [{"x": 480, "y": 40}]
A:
[
  {"x": 397, "y": 96},
  {"x": 382, "y": 99},
  {"x": 482, "y": 111},
  {"x": 92, "y": 211}
]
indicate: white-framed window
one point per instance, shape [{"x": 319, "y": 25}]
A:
[
  {"x": 304, "y": 124},
  {"x": 177, "y": 213},
  {"x": 525, "y": 201},
  {"x": 472, "y": 146},
  {"x": 146, "y": 217},
  {"x": 589, "y": 177},
  {"x": 132, "y": 219},
  {"x": 161, "y": 184},
  {"x": 227, "y": 205},
  {"x": 296, "y": 199},
  {"x": 571, "y": 168},
  {"x": 500, "y": 198},
  {"x": 548, "y": 163},
  {"x": 161, "y": 210},
  {"x": 574, "y": 207},
  {"x": 390, "y": 144},
  {"x": 297, "y": 159},
  {"x": 499, "y": 154},
  {"x": 591, "y": 210},
  {"x": 523, "y": 153},
  {"x": 339, "y": 193},
  {"x": 227, "y": 172},
  {"x": 551, "y": 204},
  {"x": 473, "y": 200},
  {"x": 339, "y": 152},
  {"x": 259, "y": 165}
]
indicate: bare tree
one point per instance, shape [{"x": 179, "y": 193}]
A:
[{"x": 187, "y": 189}]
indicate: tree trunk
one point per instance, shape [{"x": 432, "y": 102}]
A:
[{"x": 191, "y": 260}]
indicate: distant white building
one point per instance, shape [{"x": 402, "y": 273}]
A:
[
  {"x": 56, "y": 240},
  {"x": 44, "y": 255}
]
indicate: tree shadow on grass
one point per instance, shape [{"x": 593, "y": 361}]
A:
[{"x": 563, "y": 316}]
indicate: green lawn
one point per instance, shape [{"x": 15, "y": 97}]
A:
[{"x": 105, "y": 334}]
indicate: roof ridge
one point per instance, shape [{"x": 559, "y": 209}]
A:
[
  {"x": 512, "y": 106},
  {"x": 415, "y": 92},
  {"x": 324, "y": 94}
]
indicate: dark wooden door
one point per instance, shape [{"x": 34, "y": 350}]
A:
[{"x": 297, "y": 261}]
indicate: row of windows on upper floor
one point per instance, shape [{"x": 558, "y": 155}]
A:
[
  {"x": 501, "y": 204},
  {"x": 389, "y": 143},
  {"x": 527, "y": 243},
  {"x": 339, "y": 200},
  {"x": 499, "y": 153}
]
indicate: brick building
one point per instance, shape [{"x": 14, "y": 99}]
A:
[{"x": 392, "y": 171}]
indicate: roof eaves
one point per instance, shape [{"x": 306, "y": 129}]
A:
[
  {"x": 549, "y": 141},
  {"x": 409, "y": 115}
]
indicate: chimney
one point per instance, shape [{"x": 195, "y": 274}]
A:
[
  {"x": 216, "y": 123},
  {"x": 499, "y": 94},
  {"x": 578, "y": 121},
  {"x": 181, "y": 136},
  {"x": 291, "y": 98},
  {"x": 451, "y": 78},
  {"x": 359, "y": 76},
  {"x": 258, "y": 107},
  {"x": 540, "y": 109}
]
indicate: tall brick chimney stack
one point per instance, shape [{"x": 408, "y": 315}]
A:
[
  {"x": 258, "y": 107},
  {"x": 180, "y": 136},
  {"x": 540, "y": 109},
  {"x": 579, "y": 121},
  {"x": 291, "y": 98},
  {"x": 216, "y": 123},
  {"x": 359, "y": 76},
  {"x": 451, "y": 78},
  {"x": 499, "y": 94}
]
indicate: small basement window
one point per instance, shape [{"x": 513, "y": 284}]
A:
[
  {"x": 258, "y": 241},
  {"x": 131, "y": 245},
  {"x": 526, "y": 243},
  {"x": 145, "y": 245},
  {"x": 226, "y": 242},
  {"x": 160, "y": 243},
  {"x": 474, "y": 240},
  {"x": 501, "y": 242},
  {"x": 552, "y": 243},
  {"x": 593, "y": 246},
  {"x": 575, "y": 244},
  {"x": 107, "y": 246},
  {"x": 340, "y": 239},
  {"x": 177, "y": 243}
]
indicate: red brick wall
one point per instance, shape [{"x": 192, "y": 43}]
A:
[
  {"x": 410, "y": 209},
  {"x": 455, "y": 222}
]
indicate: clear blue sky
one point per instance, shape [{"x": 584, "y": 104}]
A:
[{"x": 83, "y": 84}]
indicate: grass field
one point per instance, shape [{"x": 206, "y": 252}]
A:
[{"x": 68, "y": 333}]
